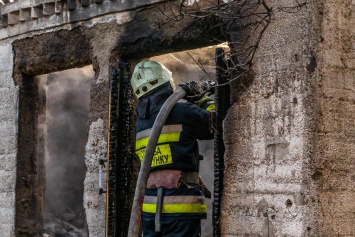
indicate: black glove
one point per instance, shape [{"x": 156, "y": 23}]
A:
[{"x": 194, "y": 91}]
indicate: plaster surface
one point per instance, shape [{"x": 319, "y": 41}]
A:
[{"x": 8, "y": 142}]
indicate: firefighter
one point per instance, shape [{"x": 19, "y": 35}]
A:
[{"x": 174, "y": 182}]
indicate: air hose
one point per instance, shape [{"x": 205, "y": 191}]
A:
[{"x": 135, "y": 220}]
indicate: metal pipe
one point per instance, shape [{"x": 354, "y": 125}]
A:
[{"x": 134, "y": 224}]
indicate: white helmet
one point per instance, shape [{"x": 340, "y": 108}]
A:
[{"x": 148, "y": 75}]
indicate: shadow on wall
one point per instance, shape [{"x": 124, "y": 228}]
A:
[{"x": 67, "y": 113}]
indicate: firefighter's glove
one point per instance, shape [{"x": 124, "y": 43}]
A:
[{"x": 194, "y": 91}]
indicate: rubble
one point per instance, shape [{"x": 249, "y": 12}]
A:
[{"x": 69, "y": 223}]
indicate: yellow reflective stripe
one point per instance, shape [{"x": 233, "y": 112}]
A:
[
  {"x": 162, "y": 155},
  {"x": 176, "y": 200},
  {"x": 176, "y": 208},
  {"x": 163, "y": 138},
  {"x": 199, "y": 102},
  {"x": 173, "y": 128},
  {"x": 211, "y": 107}
]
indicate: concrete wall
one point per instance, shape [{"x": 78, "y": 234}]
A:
[
  {"x": 335, "y": 146},
  {"x": 8, "y": 131},
  {"x": 25, "y": 16},
  {"x": 268, "y": 134},
  {"x": 289, "y": 137},
  {"x": 94, "y": 204}
]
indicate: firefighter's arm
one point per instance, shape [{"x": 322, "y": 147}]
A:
[
  {"x": 206, "y": 103},
  {"x": 198, "y": 120}
]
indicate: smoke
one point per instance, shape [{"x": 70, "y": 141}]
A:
[
  {"x": 191, "y": 65},
  {"x": 67, "y": 113},
  {"x": 185, "y": 67}
]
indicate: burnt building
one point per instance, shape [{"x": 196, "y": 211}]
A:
[{"x": 288, "y": 132}]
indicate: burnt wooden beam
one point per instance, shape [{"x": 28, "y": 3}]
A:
[{"x": 195, "y": 33}]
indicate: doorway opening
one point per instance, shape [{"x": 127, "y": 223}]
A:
[
  {"x": 64, "y": 129},
  {"x": 197, "y": 65}
]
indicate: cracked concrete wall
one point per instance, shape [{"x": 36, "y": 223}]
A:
[
  {"x": 8, "y": 131},
  {"x": 268, "y": 134},
  {"x": 289, "y": 138}
]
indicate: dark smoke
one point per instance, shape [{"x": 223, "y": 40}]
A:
[{"x": 67, "y": 111}]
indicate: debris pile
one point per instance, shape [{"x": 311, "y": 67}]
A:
[{"x": 69, "y": 223}]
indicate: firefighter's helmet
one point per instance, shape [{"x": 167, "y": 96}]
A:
[{"x": 149, "y": 75}]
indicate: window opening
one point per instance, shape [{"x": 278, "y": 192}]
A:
[{"x": 65, "y": 135}]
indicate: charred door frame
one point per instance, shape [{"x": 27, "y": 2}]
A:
[
  {"x": 122, "y": 162},
  {"x": 121, "y": 175}
]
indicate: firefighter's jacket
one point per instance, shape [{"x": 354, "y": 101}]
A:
[{"x": 177, "y": 149}]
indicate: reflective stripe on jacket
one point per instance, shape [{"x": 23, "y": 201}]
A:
[
  {"x": 162, "y": 154},
  {"x": 206, "y": 103},
  {"x": 176, "y": 204},
  {"x": 177, "y": 148},
  {"x": 186, "y": 202}
]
